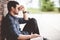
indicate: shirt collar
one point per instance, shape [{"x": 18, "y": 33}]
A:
[{"x": 11, "y": 15}]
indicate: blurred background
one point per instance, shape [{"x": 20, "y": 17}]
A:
[
  {"x": 36, "y": 6},
  {"x": 46, "y": 12}
]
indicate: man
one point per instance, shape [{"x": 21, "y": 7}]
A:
[{"x": 10, "y": 25}]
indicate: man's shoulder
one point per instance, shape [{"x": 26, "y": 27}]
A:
[{"x": 6, "y": 18}]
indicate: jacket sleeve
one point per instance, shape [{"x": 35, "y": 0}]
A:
[
  {"x": 21, "y": 20},
  {"x": 13, "y": 30}
]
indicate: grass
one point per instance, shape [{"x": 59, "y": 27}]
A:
[{"x": 34, "y": 10}]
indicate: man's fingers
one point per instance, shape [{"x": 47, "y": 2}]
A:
[
  {"x": 35, "y": 35},
  {"x": 21, "y": 8}
]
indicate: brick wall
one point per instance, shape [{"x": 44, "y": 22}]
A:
[
  {"x": 3, "y": 11},
  {"x": 2, "y": 2}
]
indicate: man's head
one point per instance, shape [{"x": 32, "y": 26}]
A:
[{"x": 13, "y": 6}]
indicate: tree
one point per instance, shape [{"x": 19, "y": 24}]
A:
[{"x": 47, "y": 5}]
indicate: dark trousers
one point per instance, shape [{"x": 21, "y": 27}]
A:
[{"x": 31, "y": 26}]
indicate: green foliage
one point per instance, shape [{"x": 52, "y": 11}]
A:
[
  {"x": 59, "y": 9},
  {"x": 47, "y": 5}
]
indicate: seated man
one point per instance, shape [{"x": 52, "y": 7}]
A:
[{"x": 10, "y": 24}]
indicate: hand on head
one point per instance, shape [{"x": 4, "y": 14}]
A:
[{"x": 21, "y": 8}]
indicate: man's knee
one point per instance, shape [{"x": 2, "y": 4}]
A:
[
  {"x": 21, "y": 39},
  {"x": 33, "y": 19}
]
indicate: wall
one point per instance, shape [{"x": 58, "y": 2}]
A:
[{"x": 1, "y": 12}]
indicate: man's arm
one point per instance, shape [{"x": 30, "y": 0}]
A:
[
  {"x": 16, "y": 34},
  {"x": 24, "y": 37},
  {"x": 25, "y": 15},
  {"x": 28, "y": 36}
]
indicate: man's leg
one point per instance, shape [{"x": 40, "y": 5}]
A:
[
  {"x": 20, "y": 39},
  {"x": 31, "y": 26}
]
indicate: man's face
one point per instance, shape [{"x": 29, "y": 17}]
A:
[{"x": 16, "y": 10}]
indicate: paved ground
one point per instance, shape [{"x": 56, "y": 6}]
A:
[{"x": 49, "y": 25}]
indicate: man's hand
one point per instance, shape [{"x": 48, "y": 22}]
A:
[
  {"x": 34, "y": 35},
  {"x": 25, "y": 14},
  {"x": 21, "y": 36},
  {"x": 21, "y": 8}
]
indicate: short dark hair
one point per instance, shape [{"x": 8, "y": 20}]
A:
[{"x": 11, "y": 4}]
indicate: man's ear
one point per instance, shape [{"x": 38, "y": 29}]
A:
[{"x": 12, "y": 8}]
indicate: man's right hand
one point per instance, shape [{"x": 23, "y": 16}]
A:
[
  {"x": 28, "y": 36},
  {"x": 34, "y": 35}
]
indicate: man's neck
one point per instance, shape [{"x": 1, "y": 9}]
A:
[{"x": 11, "y": 13}]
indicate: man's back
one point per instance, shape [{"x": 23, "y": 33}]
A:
[{"x": 7, "y": 29}]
